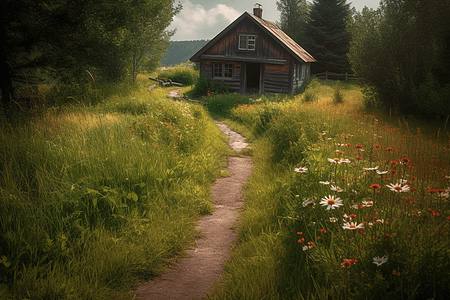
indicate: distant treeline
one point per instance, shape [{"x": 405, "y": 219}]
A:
[{"x": 180, "y": 52}]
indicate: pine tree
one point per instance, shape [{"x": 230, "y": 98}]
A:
[{"x": 326, "y": 36}]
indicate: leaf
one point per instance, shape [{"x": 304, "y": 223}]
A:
[
  {"x": 133, "y": 196},
  {"x": 91, "y": 191}
]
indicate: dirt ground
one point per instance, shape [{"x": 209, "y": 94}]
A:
[{"x": 194, "y": 276}]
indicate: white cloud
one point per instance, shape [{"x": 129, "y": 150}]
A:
[{"x": 194, "y": 22}]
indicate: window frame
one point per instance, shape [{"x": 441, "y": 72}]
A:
[
  {"x": 226, "y": 70},
  {"x": 250, "y": 42}
]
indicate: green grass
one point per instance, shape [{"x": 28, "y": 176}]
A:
[
  {"x": 97, "y": 198},
  {"x": 289, "y": 245}
]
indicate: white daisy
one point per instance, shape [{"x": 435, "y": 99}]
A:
[
  {"x": 371, "y": 169},
  {"x": 345, "y": 161},
  {"x": 301, "y": 170},
  {"x": 324, "y": 182},
  {"x": 379, "y": 261},
  {"x": 333, "y": 219},
  {"x": 353, "y": 226},
  {"x": 334, "y": 160},
  {"x": 382, "y": 172},
  {"x": 336, "y": 189},
  {"x": 330, "y": 202},
  {"x": 398, "y": 188},
  {"x": 367, "y": 203}
]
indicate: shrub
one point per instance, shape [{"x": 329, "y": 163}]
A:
[
  {"x": 204, "y": 84},
  {"x": 338, "y": 97},
  {"x": 181, "y": 74},
  {"x": 431, "y": 98},
  {"x": 310, "y": 96}
]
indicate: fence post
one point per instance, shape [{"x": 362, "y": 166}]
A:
[
  {"x": 326, "y": 75},
  {"x": 346, "y": 76}
]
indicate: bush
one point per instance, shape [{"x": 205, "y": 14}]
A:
[
  {"x": 222, "y": 104},
  {"x": 181, "y": 74},
  {"x": 431, "y": 99},
  {"x": 309, "y": 96},
  {"x": 338, "y": 97},
  {"x": 203, "y": 85}
]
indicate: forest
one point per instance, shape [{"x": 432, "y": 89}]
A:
[{"x": 180, "y": 52}]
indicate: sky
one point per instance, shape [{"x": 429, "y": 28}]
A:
[{"x": 203, "y": 20}]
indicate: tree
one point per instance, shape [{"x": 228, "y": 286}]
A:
[
  {"x": 326, "y": 36},
  {"x": 66, "y": 37},
  {"x": 293, "y": 18},
  {"x": 400, "y": 52}
]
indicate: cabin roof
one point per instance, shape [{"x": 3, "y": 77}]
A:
[{"x": 270, "y": 28}]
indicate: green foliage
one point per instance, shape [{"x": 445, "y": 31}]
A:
[
  {"x": 326, "y": 37},
  {"x": 338, "y": 97},
  {"x": 221, "y": 105},
  {"x": 182, "y": 74},
  {"x": 294, "y": 18},
  {"x": 205, "y": 85},
  {"x": 181, "y": 51},
  {"x": 66, "y": 38},
  {"x": 88, "y": 192},
  {"x": 432, "y": 99},
  {"x": 385, "y": 56},
  {"x": 292, "y": 247}
]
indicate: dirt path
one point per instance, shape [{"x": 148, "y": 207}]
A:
[{"x": 194, "y": 276}]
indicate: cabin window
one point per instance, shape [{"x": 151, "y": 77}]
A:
[
  {"x": 247, "y": 42},
  {"x": 223, "y": 70}
]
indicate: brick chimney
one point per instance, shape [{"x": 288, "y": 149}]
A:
[{"x": 257, "y": 11}]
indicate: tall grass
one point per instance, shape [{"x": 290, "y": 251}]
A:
[
  {"x": 94, "y": 199},
  {"x": 380, "y": 243}
]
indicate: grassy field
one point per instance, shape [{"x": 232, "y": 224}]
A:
[
  {"x": 343, "y": 203},
  {"x": 99, "y": 195}
]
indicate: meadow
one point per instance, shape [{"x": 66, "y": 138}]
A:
[
  {"x": 344, "y": 202},
  {"x": 100, "y": 195}
]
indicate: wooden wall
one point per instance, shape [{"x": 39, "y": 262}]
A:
[
  {"x": 266, "y": 46},
  {"x": 276, "y": 78}
]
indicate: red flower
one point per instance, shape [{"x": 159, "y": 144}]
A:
[
  {"x": 431, "y": 191},
  {"x": 393, "y": 162},
  {"x": 405, "y": 160},
  {"x": 393, "y": 172},
  {"x": 358, "y": 146},
  {"x": 342, "y": 179},
  {"x": 389, "y": 149},
  {"x": 378, "y": 146},
  {"x": 375, "y": 186},
  {"x": 359, "y": 157},
  {"x": 346, "y": 263}
]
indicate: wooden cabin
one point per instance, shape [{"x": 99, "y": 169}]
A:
[{"x": 253, "y": 55}]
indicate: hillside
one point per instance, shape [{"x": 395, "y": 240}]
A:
[{"x": 181, "y": 51}]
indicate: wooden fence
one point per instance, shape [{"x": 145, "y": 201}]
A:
[{"x": 336, "y": 76}]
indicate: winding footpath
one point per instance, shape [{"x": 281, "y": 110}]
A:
[{"x": 194, "y": 276}]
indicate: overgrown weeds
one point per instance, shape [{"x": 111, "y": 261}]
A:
[
  {"x": 96, "y": 198},
  {"x": 355, "y": 206}
]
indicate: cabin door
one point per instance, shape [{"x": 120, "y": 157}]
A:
[{"x": 253, "y": 76}]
